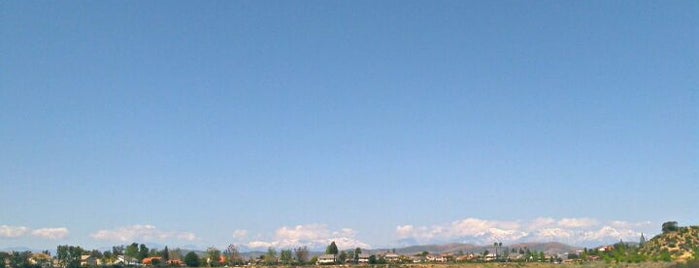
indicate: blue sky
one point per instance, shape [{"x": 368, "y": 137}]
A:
[{"x": 374, "y": 123}]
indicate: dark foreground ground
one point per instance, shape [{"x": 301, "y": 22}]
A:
[{"x": 510, "y": 265}]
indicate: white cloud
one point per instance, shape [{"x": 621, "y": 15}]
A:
[
  {"x": 577, "y": 223},
  {"x": 12, "y": 231},
  {"x": 480, "y": 231},
  {"x": 628, "y": 225},
  {"x": 498, "y": 230},
  {"x": 541, "y": 223},
  {"x": 608, "y": 232},
  {"x": 303, "y": 232},
  {"x": 405, "y": 231},
  {"x": 260, "y": 244},
  {"x": 51, "y": 233},
  {"x": 240, "y": 234},
  {"x": 141, "y": 232},
  {"x": 314, "y": 236},
  {"x": 471, "y": 229},
  {"x": 547, "y": 234}
]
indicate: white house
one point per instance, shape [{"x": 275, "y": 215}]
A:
[{"x": 326, "y": 259}]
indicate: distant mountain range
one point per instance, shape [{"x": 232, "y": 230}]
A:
[{"x": 452, "y": 248}]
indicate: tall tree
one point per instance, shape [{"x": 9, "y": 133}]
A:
[
  {"x": 301, "y": 254},
  {"x": 176, "y": 254},
  {"x": 118, "y": 250},
  {"x": 21, "y": 259},
  {"x": 495, "y": 245},
  {"x": 286, "y": 256},
  {"x": 191, "y": 259},
  {"x": 3, "y": 256},
  {"x": 357, "y": 252},
  {"x": 142, "y": 252},
  {"x": 234, "y": 256},
  {"x": 213, "y": 255},
  {"x": 165, "y": 254},
  {"x": 271, "y": 257},
  {"x": 131, "y": 251},
  {"x": 331, "y": 249},
  {"x": 342, "y": 257},
  {"x": 69, "y": 256}
]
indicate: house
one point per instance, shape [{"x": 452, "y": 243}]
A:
[
  {"x": 392, "y": 257},
  {"x": 490, "y": 257},
  {"x": 175, "y": 263},
  {"x": 87, "y": 260},
  {"x": 125, "y": 260},
  {"x": 151, "y": 261},
  {"x": 363, "y": 258},
  {"x": 418, "y": 259},
  {"x": 326, "y": 259},
  {"x": 606, "y": 249},
  {"x": 515, "y": 257},
  {"x": 440, "y": 258},
  {"x": 467, "y": 257}
]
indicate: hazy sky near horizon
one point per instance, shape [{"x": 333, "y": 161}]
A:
[{"x": 373, "y": 123}]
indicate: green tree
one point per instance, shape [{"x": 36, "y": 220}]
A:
[
  {"x": 372, "y": 259},
  {"x": 670, "y": 226},
  {"x": 176, "y": 254},
  {"x": 342, "y": 258},
  {"x": 213, "y": 256},
  {"x": 495, "y": 245},
  {"x": 286, "y": 257},
  {"x": 234, "y": 256},
  {"x": 131, "y": 251},
  {"x": 191, "y": 259},
  {"x": 3, "y": 256},
  {"x": 69, "y": 256},
  {"x": 107, "y": 256},
  {"x": 331, "y": 249},
  {"x": 271, "y": 257},
  {"x": 142, "y": 252},
  {"x": 302, "y": 254},
  {"x": 357, "y": 252},
  {"x": 21, "y": 259},
  {"x": 165, "y": 254}
]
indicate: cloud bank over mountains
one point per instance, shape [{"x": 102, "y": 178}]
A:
[
  {"x": 44, "y": 233},
  {"x": 146, "y": 233},
  {"x": 313, "y": 236},
  {"x": 574, "y": 231}
]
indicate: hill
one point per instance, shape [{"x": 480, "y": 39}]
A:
[{"x": 680, "y": 243}]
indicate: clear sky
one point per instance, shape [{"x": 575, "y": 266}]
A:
[{"x": 372, "y": 123}]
